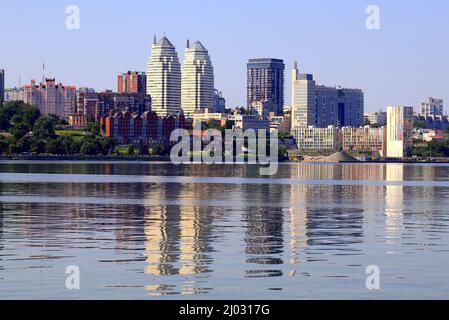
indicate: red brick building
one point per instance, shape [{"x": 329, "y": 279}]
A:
[{"x": 141, "y": 129}]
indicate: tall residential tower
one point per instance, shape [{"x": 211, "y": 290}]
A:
[
  {"x": 197, "y": 80},
  {"x": 164, "y": 78},
  {"x": 265, "y": 84}
]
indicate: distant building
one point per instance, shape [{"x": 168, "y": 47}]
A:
[
  {"x": 262, "y": 108},
  {"x": 376, "y": 118},
  {"x": 51, "y": 98},
  {"x": 365, "y": 139},
  {"x": 432, "y": 107},
  {"x": 78, "y": 120},
  {"x": 399, "y": 131},
  {"x": 219, "y": 102},
  {"x": 2, "y": 86},
  {"x": 323, "y": 106},
  {"x": 431, "y": 135},
  {"x": 132, "y": 82},
  {"x": 244, "y": 122},
  {"x": 197, "y": 86},
  {"x": 283, "y": 124},
  {"x": 265, "y": 82},
  {"x": 85, "y": 90},
  {"x": 164, "y": 78},
  {"x": 14, "y": 94},
  {"x": 312, "y": 138},
  {"x": 434, "y": 122}
]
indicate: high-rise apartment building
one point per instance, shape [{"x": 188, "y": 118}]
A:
[
  {"x": 399, "y": 131},
  {"x": 432, "y": 107},
  {"x": 2, "y": 86},
  {"x": 132, "y": 82},
  {"x": 164, "y": 78},
  {"x": 51, "y": 98},
  {"x": 303, "y": 99},
  {"x": 323, "y": 106},
  {"x": 197, "y": 86},
  {"x": 265, "y": 83}
]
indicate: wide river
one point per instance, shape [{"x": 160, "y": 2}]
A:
[{"x": 159, "y": 231}]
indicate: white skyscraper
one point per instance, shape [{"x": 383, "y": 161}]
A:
[
  {"x": 303, "y": 99},
  {"x": 197, "y": 80},
  {"x": 164, "y": 78}
]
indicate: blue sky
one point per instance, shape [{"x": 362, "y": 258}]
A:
[{"x": 402, "y": 63}]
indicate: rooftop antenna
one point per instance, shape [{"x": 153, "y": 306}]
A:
[
  {"x": 188, "y": 44},
  {"x": 20, "y": 78},
  {"x": 43, "y": 72},
  {"x": 154, "y": 39}
]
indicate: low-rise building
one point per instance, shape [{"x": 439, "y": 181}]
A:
[
  {"x": 94, "y": 105},
  {"x": 14, "y": 94},
  {"x": 312, "y": 138},
  {"x": 253, "y": 121},
  {"x": 141, "y": 128},
  {"x": 376, "y": 118},
  {"x": 432, "y": 135},
  {"x": 365, "y": 139},
  {"x": 78, "y": 120}
]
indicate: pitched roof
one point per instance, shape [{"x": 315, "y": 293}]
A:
[
  {"x": 198, "y": 46},
  {"x": 164, "y": 42}
]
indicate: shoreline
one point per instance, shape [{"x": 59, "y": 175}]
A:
[{"x": 167, "y": 159}]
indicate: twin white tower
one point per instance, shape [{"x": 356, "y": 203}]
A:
[{"x": 172, "y": 88}]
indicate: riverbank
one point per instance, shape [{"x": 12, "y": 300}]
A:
[{"x": 84, "y": 158}]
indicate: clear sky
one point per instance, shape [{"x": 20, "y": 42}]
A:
[{"x": 402, "y": 63}]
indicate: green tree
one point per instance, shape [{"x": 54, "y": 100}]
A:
[
  {"x": 37, "y": 146},
  {"x": 91, "y": 147},
  {"x": 53, "y": 147},
  {"x": 420, "y": 125},
  {"x": 4, "y": 122},
  {"x": 94, "y": 128},
  {"x": 19, "y": 130},
  {"x": 108, "y": 145},
  {"x": 130, "y": 151},
  {"x": 157, "y": 150},
  {"x": 45, "y": 128}
]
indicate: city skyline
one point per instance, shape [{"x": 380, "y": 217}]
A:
[{"x": 373, "y": 60}]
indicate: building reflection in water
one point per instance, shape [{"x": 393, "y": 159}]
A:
[
  {"x": 394, "y": 203},
  {"x": 178, "y": 241},
  {"x": 324, "y": 216}
]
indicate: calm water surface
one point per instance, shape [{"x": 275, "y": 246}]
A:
[{"x": 158, "y": 231}]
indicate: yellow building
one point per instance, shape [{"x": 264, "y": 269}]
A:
[{"x": 312, "y": 138}]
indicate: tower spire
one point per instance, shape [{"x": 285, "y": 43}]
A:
[
  {"x": 188, "y": 44},
  {"x": 154, "y": 39}
]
